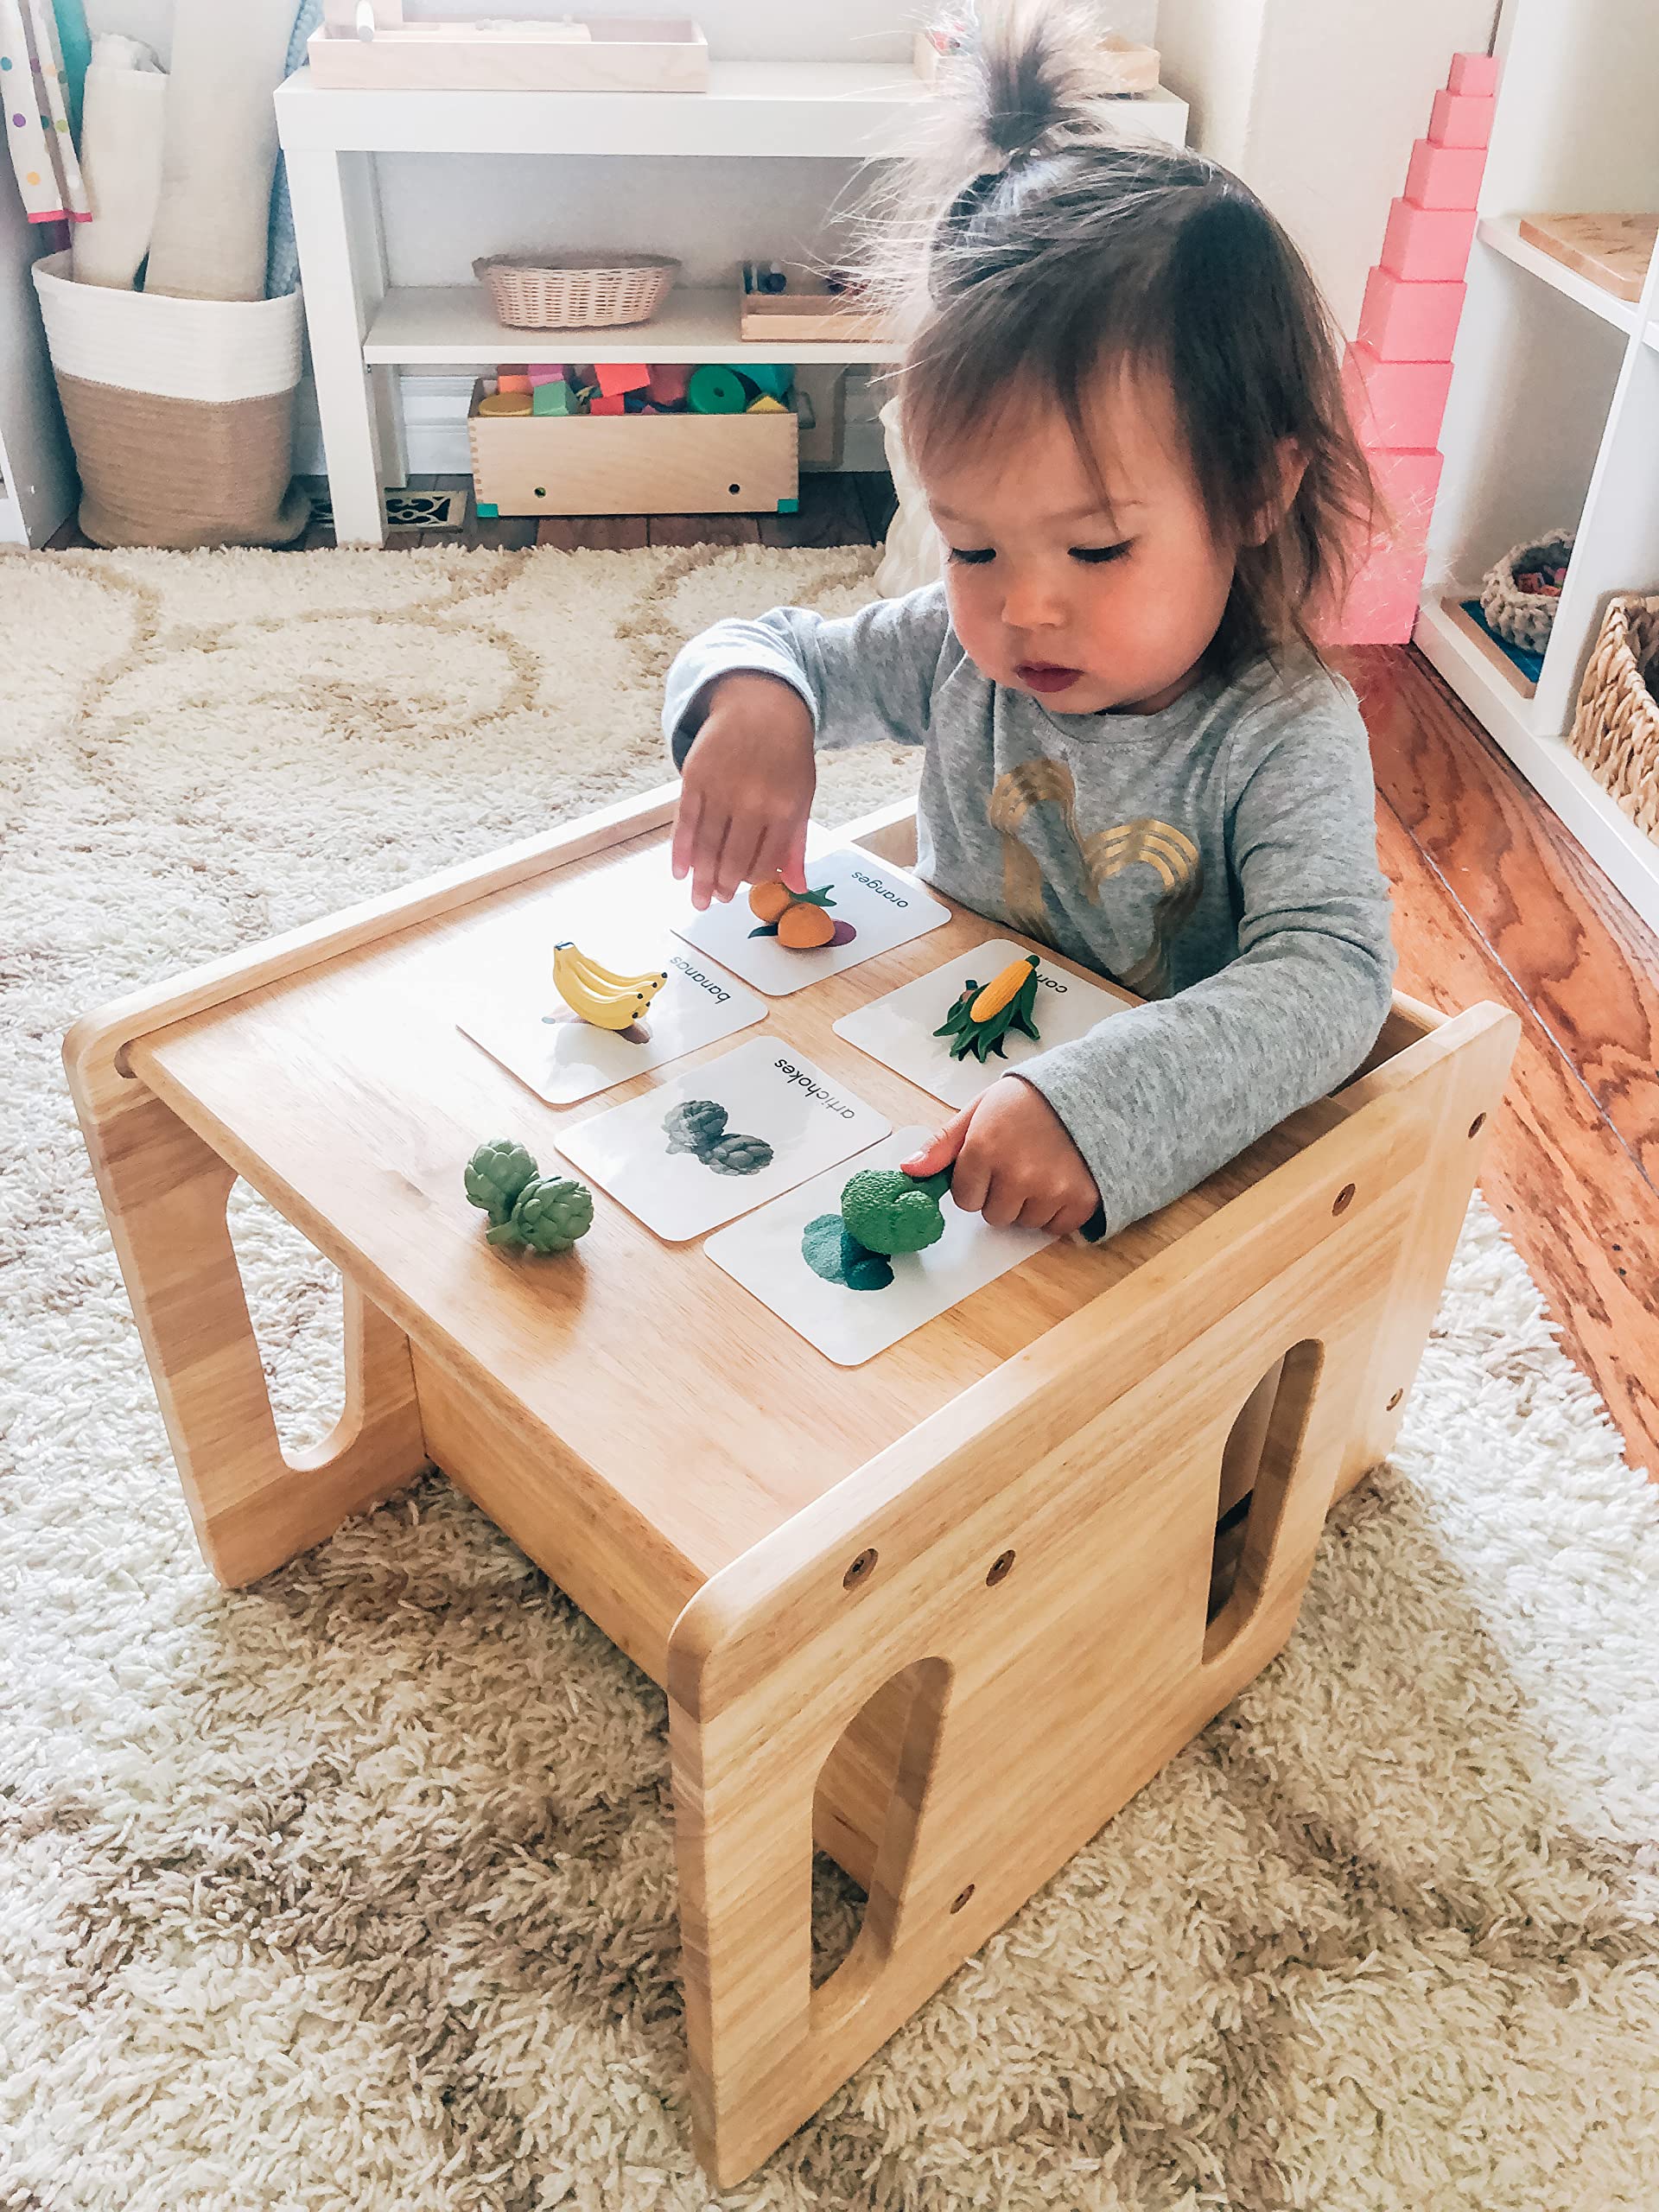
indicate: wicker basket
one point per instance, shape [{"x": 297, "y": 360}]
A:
[
  {"x": 589, "y": 291},
  {"x": 1616, "y": 730},
  {"x": 1525, "y": 617}
]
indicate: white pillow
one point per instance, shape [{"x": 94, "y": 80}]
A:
[{"x": 911, "y": 557}]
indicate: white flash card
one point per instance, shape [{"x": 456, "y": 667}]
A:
[{"x": 860, "y": 906}]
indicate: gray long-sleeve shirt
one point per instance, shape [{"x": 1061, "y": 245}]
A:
[{"x": 1217, "y": 858}]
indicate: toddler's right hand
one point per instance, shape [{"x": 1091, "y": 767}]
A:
[{"x": 746, "y": 790}]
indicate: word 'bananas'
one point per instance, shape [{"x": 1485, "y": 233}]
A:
[{"x": 597, "y": 995}]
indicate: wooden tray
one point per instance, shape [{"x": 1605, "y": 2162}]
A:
[
  {"x": 1612, "y": 250},
  {"x": 808, "y": 313},
  {"x": 619, "y": 54}
]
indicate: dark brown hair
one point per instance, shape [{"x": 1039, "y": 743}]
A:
[{"x": 1033, "y": 248}]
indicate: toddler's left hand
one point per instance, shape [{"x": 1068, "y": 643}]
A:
[{"x": 1014, "y": 1161}]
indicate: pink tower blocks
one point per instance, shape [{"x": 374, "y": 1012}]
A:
[{"x": 1398, "y": 372}]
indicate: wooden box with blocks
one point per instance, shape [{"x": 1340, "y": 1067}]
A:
[
  {"x": 633, "y": 464},
  {"x": 943, "y": 1618}
]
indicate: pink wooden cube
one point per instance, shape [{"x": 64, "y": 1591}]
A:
[
  {"x": 1460, "y": 119},
  {"x": 1473, "y": 73},
  {"x": 1395, "y": 403},
  {"x": 1430, "y": 245},
  {"x": 1382, "y": 602},
  {"x": 1407, "y": 481},
  {"x": 1444, "y": 176},
  {"x": 1405, "y": 321}
]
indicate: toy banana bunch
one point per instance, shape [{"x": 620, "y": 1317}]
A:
[{"x": 599, "y": 995}]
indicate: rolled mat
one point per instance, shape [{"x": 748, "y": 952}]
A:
[
  {"x": 717, "y": 392},
  {"x": 121, "y": 160}
]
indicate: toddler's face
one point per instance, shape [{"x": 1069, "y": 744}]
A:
[{"x": 1087, "y": 608}]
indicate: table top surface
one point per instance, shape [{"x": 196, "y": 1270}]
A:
[{"x": 348, "y": 1096}]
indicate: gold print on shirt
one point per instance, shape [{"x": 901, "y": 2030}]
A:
[{"x": 1105, "y": 853}]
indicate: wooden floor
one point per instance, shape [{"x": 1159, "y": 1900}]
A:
[{"x": 1491, "y": 900}]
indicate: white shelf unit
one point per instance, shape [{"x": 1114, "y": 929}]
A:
[
  {"x": 1553, "y": 420},
  {"x": 363, "y": 329}
]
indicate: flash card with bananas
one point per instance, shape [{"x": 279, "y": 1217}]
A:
[{"x": 586, "y": 1025}]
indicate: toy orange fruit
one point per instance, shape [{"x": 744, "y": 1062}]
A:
[
  {"x": 803, "y": 927},
  {"x": 768, "y": 900}
]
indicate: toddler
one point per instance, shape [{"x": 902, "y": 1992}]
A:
[{"x": 1119, "y": 394}]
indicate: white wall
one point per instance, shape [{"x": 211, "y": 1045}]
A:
[{"x": 1316, "y": 103}]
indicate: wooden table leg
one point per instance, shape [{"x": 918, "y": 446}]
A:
[{"x": 165, "y": 1193}]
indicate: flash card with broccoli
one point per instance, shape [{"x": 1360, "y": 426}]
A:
[{"x": 855, "y": 1261}]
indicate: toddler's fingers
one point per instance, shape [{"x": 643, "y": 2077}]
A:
[
  {"x": 687, "y": 818},
  {"x": 1036, "y": 1213},
  {"x": 738, "y": 855},
  {"x": 792, "y": 868},
  {"x": 1004, "y": 1200},
  {"x": 941, "y": 1149}
]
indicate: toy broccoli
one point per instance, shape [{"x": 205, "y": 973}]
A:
[
  {"x": 496, "y": 1174},
  {"x": 533, "y": 1211},
  {"x": 889, "y": 1211}
]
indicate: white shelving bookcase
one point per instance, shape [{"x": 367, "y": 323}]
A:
[
  {"x": 363, "y": 328},
  {"x": 1553, "y": 420}
]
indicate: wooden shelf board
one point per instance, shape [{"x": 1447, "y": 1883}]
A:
[
  {"x": 1502, "y": 234},
  {"x": 1499, "y": 697},
  {"x": 454, "y": 323}
]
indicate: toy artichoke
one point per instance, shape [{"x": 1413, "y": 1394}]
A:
[
  {"x": 889, "y": 1211},
  {"x": 548, "y": 1216},
  {"x": 695, "y": 1126},
  {"x": 496, "y": 1174},
  {"x": 738, "y": 1155}
]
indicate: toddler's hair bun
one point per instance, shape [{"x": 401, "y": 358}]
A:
[{"x": 1031, "y": 81}]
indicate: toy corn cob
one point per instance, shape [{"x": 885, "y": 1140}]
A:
[{"x": 981, "y": 1018}]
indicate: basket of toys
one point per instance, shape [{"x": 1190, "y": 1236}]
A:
[
  {"x": 1520, "y": 594},
  {"x": 1616, "y": 730},
  {"x": 588, "y": 291}
]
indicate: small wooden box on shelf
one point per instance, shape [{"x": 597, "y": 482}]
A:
[{"x": 632, "y": 464}]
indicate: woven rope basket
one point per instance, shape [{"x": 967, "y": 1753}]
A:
[
  {"x": 1616, "y": 730},
  {"x": 1524, "y": 618},
  {"x": 590, "y": 291}
]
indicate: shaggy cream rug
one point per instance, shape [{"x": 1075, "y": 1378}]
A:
[{"x": 354, "y": 1891}]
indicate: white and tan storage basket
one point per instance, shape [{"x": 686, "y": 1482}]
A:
[
  {"x": 589, "y": 291},
  {"x": 180, "y": 412},
  {"x": 1616, "y": 730},
  {"x": 1524, "y": 618}
]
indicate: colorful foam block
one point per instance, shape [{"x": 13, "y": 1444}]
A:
[
  {"x": 1406, "y": 322},
  {"x": 1428, "y": 245},
  {"x": 765, "y": 404},
  {"x": 770, "y": 377},
  {"x": 553, "y": 399},
  {"x": 1460, "y": 119},
  {"x": 616, "y": 377},
  {"x": 1444, "y": 176},
  {"x": 1473, "y": 73},
  {"x": 611, "y": 403},
  {"x": 546, "y": 373},
  {"x": 668, "y": 382},
  {"x": 1395, "y": 403},
  {"x": 512, "y": 379}
]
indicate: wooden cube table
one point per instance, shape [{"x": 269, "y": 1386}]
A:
[{"x": 943, "y": 1613}]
